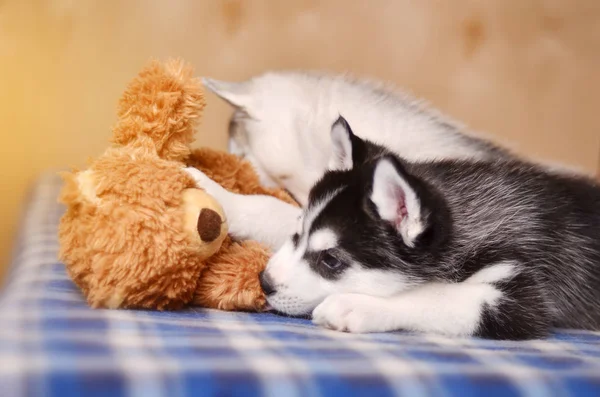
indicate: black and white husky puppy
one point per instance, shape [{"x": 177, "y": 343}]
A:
[{"x": 499, "y": 249}]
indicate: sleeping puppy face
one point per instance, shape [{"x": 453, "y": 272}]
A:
[
  {"x": 271, "y": 128},
  {"x": 366, "y": 230}
]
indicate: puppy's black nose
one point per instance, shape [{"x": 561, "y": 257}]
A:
[{"x": 266, "y": 283}]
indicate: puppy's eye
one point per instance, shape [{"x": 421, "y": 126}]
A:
[
  {"x": 295, "y": 239},
  {"x": 331, "y": 261}
]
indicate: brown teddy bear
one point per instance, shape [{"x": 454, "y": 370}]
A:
[{"x": 137, "y": 232}]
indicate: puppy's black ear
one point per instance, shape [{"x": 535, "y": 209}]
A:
[
  {"x": 347, "y": 149},
  {"x": 397, "y": 198}
]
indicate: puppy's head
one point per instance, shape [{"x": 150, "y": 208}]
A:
[
  {"x": 370, "y": 228},
  {"x": 280, "y": 123}
]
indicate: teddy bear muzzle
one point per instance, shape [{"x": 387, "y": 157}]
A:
[{"x": 204, "y": 222}]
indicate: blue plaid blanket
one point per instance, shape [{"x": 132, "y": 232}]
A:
[{"x": 52, "y": 344}]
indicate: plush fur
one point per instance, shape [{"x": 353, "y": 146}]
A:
[{"x": 138, "y": 232}]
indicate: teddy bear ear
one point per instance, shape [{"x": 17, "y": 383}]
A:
[{"x": 160, "y": 109}]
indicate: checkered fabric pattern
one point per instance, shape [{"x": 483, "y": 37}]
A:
[{"x": 52, "y": 344}]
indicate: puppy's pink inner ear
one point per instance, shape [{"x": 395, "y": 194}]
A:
[
  {"x": 402, "y": 213},
  {"x": 399, "y": 198}
]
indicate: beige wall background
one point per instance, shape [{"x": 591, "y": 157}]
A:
[{"x": 524, "y": 72}]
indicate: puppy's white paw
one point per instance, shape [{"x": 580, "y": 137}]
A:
[
  {"x": 198, "y": 176},
  {"x": 353, "y": 313},
  {"x": 204, "y": 182}
]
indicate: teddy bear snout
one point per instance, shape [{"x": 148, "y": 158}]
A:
[{"x": 209, "y": 225}]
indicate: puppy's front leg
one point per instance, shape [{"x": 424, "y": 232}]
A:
[
  {"x": 496, "y": 302},
  {"x": 256, "y": 217}
]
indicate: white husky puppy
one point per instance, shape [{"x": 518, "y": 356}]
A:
[{"x": 282, "y": 123}]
